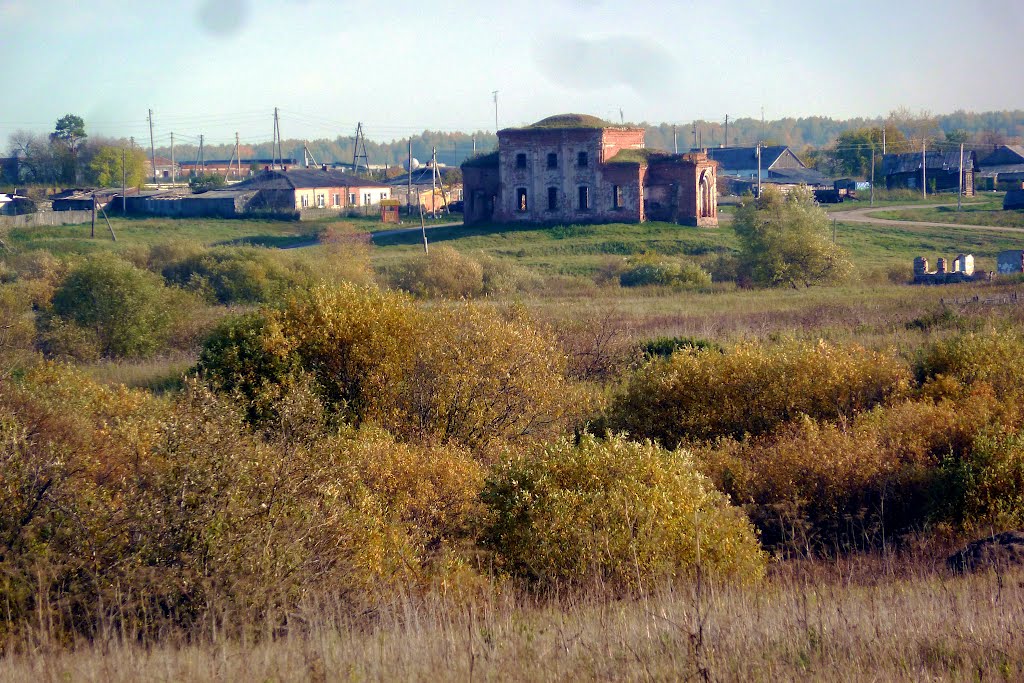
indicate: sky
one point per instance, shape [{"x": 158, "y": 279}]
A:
[{"x": 217, "y": 67}]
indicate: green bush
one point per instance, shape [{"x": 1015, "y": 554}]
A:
[
  {"x": 443, "y": 273},
  {"x": 664, "y": 347},
  {"x": 704, "y": 394},
  {"x": 615, "y": 512},
  {"x": 652, "y": 270},
  {"x": 971, "y": 359},
  {"x": 234, "y": 275},
  {"x": 126, "y": 310}
]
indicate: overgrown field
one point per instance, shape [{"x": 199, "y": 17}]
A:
[{"x": 575, "y": 451}]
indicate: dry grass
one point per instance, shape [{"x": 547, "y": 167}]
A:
[{"x": 868, "y": 618}]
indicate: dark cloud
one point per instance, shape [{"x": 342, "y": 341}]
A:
[
  {"x": 223, "y": 18},
  {"x": 593, "y": 64}
]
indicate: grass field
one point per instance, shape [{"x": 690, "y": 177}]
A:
[
  {"x": 987, "y": 213},
  {"x": 857, "y": 619}
]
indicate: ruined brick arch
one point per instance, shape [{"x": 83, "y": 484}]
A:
[{"x": 706, "y": 195}]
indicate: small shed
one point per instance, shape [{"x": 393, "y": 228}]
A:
[{"x": 389, "y": 210}]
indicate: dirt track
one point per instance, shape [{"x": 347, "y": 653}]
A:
[{"x": 863, "y": 216}]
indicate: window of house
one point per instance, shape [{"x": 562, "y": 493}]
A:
[
  {"x": 351, "y": 198},
  {"x": 320, "y": 201},
  {"x": 305, "y": 202},
  {"x": 552, "y": 198},
  {"x": 366, "y": 199},
  {"x": 337, "y": 200},
  {"x": 521, "y": 204},
  {"x": 616, "y": 196},
  {"x": 584, "y": 198},
  {"x": 552, "y": 160},
  {"x": 521, "y": 160},
  {"x": 383, "y": 196},
  {"x": 581, "y": 159}
]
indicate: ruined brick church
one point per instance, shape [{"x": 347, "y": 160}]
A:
[{"x": 575, "y": 168}]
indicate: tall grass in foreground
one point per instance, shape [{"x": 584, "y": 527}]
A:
[{"x": 859, "y": 618}]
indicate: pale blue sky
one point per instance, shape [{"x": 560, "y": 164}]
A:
[{"x": 215, "y": 67}]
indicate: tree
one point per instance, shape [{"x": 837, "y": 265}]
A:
[
  {"x": 784, "y": 240},
  {"x": 852, "y": 152},
  {"x": 37, "y": 162},
  {"x": 67, "y": 136},
  {"x": 106, "y": 167}
]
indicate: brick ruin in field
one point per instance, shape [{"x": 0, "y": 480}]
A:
[{"x": 573, "y": 168}]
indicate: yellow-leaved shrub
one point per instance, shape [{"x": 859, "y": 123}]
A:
[
  {"x": 704, "y": 393},
  {"x": 616, "y": 512}
]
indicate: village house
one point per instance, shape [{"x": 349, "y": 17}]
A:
[
  {"x": 1003, "y": 169},
  {"x": 941, "y": 172},
  {"x": 432, "y": 193},
  {"x": 298, "y": 189},
  {"x": 780, "y": 166},
  {"x": 574, "y": 168}
]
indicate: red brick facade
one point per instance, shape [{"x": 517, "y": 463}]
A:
[{"x": 589, "y": 173}]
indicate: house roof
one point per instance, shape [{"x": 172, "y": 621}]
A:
[
  {"x": 422, "y": 176},
  {"x": 938, "y": 160},
  {"x": 742, "y": 158},
  {"x": 807, "y": 176},
  {"x": 1004, "y": 169},
  {"x": 305, "y": 178},
  {"x": 1004, "y": 155}
]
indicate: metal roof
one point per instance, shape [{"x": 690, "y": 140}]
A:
[
  {"x": 305, "y": 178},
  {"x": 938, "y": 160},
  {"x": 742, "y": 158}
]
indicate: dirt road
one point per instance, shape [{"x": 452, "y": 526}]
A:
[{"x": 863, "y": 216}]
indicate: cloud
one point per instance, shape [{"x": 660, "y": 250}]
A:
[
  {"x": 600, "y": 63},
  {"x": 223, "y": 18}
]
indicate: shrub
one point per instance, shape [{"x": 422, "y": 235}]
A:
[
  {"x": 613, "y": 511},
  {"x": 234, "y": 275},
  {"x": 664, "y": 347},
  {"x": 972, "y": 359},
  {"x": 984, "y": 488},
  {"x": 443, "y": 272},
  {"x": 704, "y": 394},
  {"x": 462, "y": 374},
  {"x": 809, "y": 484},
  {"x": 480, "y": 378},
  {"x": 653, "y": 270},
  {"x": 126, "y": 309}
]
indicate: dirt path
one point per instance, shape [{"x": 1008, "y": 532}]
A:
[
  {"x": 864, "y": 216},
  {"x": 403, "y": 231}
]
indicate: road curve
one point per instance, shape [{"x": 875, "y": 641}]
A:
[{"x": 864, "y": 216}]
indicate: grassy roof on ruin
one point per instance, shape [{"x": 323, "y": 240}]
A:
[
  {"x": 569, "y": 121},
  {"x": 486, "y": 160},
  {"x": 638, "y": 156}
]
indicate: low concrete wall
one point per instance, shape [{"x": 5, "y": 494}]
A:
[{"x": 42, "y": 219}]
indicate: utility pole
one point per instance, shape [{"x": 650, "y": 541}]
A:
[
  {"x": 759, "y": 169},
  {"x": 872, "y": 174},
  {"x": 277, "y": 152},
  {"x": 695, "y": 135},
  {"x": 202, "y": 156},
  {"x": 123, "y": 183},
  {"x": 474, "y": 145},
  {"x": 762, "y": 124},
  {"x": 174, "y": 176},
  {"x": 408, "y": 200},
  {"x": 726, "y": 131},
  {"x": 152, "y": 147},
  {"x": 356, "y": 156},
  {"x": 960, "y": 191},
  {"x": 883, "y": 140},
  {"x": 433, "y": 182},
  {"x": 494, "y": 94},
  {"x": 924, "y": 169},
  {"x": 675, "y": 139},
  {"x": 238, "y": 158}
]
